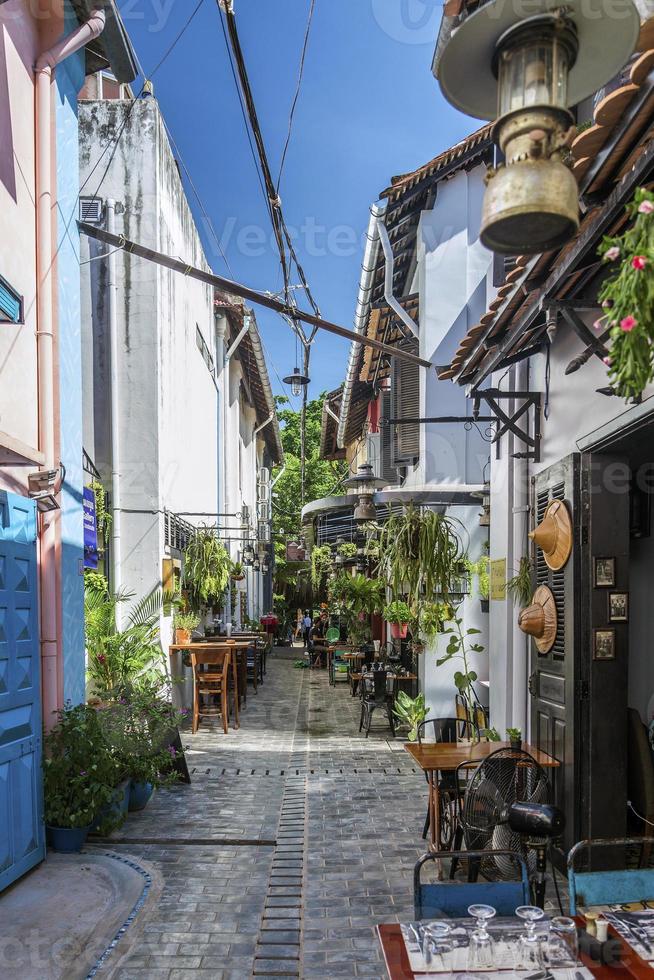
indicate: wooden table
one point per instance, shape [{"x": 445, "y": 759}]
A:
[
  {"x": 435, "y": 757},
  {"x": 219, "y": 646},
  {"x": 396, "y": 959}
]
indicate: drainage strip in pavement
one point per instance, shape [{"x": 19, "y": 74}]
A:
[{"x": 278, "y": 950}]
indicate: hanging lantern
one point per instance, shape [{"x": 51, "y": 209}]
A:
[
  {"x": 256, "y": 564},
  {"x": 527, "y": 72},
  {"x": 297, "y": 381},
  {"x": 248, "y": 553},
  {"x": 365, "y": 483}
]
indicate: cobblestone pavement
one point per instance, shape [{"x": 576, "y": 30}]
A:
[{"x": 296, "y": 836}]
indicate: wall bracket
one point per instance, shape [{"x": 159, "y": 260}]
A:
[{"x": 509, "y": 422}]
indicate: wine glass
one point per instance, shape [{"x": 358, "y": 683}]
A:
[
  {"x": 561, "y": 951},
  {"x": 440, "y": 945},
  {"x": 482, "y": 948},
  {"x": 529, "y": 952}
]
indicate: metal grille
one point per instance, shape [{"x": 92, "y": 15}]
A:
[
  {"x": 90, "y": 210},
  {"x": 177, "y": 532}
]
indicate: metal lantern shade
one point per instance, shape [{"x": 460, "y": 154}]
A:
[
  {"x": 297, "y": 381},
  {"x": 607, "y": 31},
  {"x": 527, "y": 71},
  {"x": 365, "y": 483}
]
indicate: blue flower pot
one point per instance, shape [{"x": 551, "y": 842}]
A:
[
  {"x": 68, "y": 840},
  {"x": 139, "y": 795}
]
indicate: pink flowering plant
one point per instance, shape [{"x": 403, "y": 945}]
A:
[{"x": 627, "y": 299}]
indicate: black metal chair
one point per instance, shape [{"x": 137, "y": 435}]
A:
[
  {"x": 255, "y": 665},
  {"x": 448, "y": 730},
  {"x": 375, "y": 694}
]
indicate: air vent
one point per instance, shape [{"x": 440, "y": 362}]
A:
[{"x": 90, "y": 210}]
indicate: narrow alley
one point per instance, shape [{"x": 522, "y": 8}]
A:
[{"x": 296, "y": 836}]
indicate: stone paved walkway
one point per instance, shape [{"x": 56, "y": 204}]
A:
[{"x": 296, "y": 836}]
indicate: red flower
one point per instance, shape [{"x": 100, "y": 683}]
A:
[
  {"x": 639, "y": 262},
  {"x": 628, "y": 323}
]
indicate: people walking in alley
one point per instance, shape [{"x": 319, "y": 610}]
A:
[{"x": 307, "y": 623}]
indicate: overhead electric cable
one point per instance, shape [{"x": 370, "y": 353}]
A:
[{"x": 291, "y": 117}]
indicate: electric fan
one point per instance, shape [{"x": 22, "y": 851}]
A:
[{"x": 506, "y": 777}]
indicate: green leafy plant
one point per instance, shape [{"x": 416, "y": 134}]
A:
[
  {"x": 347, "y": 550},
  {"x": 419, "y": 552},
  {"x": 356, "y": 597},
  {"x": 480, "y": 569},
  {"x": 186, "y": 621},
  {"x": 79, "y": 769},
  {"x": 627, "y": 298},
  {"x": 410, "y": 711},
  {"x": 138, "y": 726},
  {"x": 491, "y": 734},
  {"x": 514, "y": 734},
  {"x": 237, "y": 572},
  {"x": 519, "y": 587},
  {"x": 397, "y": 611},
  {"x": 116, "y": 656},
  {"x": 432, "y": 616},
  {"x": 461, "y": 644},
  {"x": 103, "y": 517},
  {"x": 207, "y": 568},
  {"x": 322, "y": 564}
]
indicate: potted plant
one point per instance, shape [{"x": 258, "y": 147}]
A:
[
  {"x": 79, "y": 776},
  {"x": 410, "y": 711},
  {"x": 237, "y": 572},
  {"x": 418, "y": 551},
  {"x": 519, "y": 587},
  {"x": 460, "y": 646},
  {"x": 480, "y": 568},
  {"x": 398, "y": 614},
  {"x": 515, "y": 737},
  {"x": 207, "y": 567},
  {"x": 184, "y": 624}
]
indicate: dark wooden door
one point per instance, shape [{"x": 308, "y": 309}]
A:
[
  {"x": 579, "y": 703},
  {"x": 553, "y": 677}
]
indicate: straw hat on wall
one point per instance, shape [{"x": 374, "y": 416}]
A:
[
  {"x": 539, "y": 620},
  {"x": 554, "y": 535}
]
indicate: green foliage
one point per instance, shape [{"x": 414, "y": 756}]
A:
[
  {"x": 519, "y": 587},
  {"x": 207, "y": 568},
  {"x": 397, "y": 611},
  {"x": 491, "y": 734},
  {"x": 138, "y": 725},
  {"x": 356, "y": 597},
  {"x": 103, "y": 518},
  {"x": 410, "y": 711},
  {"x": 514, "y": 734},
  {"x": 432, "y": 616},
  {"x": 322, "y": 479},
  {"x": 347, "y": 550},
  {"x": 461, "y": 644},
  {"x": 321, "y": 565},
  {"x": 186, "y": 621},
  {"x": 79, "y": 769},
  {"x": 116, "y": 656},
  {"x": 627, "y": 297},
  {"x": 480, "y": 569},
  {"x": 419, "y": 552}
]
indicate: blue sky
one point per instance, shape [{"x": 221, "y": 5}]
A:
[{"x": 369, "y": 109}]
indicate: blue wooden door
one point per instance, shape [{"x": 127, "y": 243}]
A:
[{"x": 21, "y": 806}]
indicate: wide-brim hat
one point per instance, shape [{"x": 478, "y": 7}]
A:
[
  {"x": 554, "y": 535},
  {"x": 539, "y": 620}
]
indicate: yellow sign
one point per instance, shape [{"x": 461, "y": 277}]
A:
[{"x": 498, "y": 579}]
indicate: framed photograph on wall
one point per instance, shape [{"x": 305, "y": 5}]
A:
[
  {"x": 618, "y": 607},
  {"x": 604, "y": 644},
  {"x": 605, "y": 573}
]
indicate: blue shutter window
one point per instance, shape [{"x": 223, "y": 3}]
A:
[{"x": 11, "y": 304}]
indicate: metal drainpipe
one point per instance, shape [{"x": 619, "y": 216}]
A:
[
  {"x": 112, "y": 317},
  {"x": 361, "y": 315},
  {"x": 389, "y": 296},
  {"x": 52, "y": 684},
  {"x": 520, "y": 645}
]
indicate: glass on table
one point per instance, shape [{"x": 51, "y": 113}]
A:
[
  {"x": 561, "y": 949},
  {"x": 529, "y": 952},
  {"x": 441, "y": 946},
  {"x": 481, "y": 950}
]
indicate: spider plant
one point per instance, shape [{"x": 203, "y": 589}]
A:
[
  {"x": 419, "y": 552},
  {"x": 519, "y": 587},
  {"x": 207, "y": 568}
]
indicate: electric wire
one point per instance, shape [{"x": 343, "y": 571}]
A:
[{"x": 298, "y": 87}]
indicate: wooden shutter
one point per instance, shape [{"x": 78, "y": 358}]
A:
[
  {"x": 386, "y": 469},
  {"x": 405, "y": 403}
]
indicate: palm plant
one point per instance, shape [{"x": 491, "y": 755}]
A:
[{"x": 117, "y": 656}]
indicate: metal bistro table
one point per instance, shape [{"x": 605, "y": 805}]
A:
[
  {"x": 398, "y": 967},
  {"x": 435, "y": 757},
  {"x": 207, "y": 646}
]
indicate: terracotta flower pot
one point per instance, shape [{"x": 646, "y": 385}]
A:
[
  {"x": 399, "y": 631},
  {"x": 182, "y": 636}
]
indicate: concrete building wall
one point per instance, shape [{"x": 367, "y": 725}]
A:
[{"x": 168, "y": 397}]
